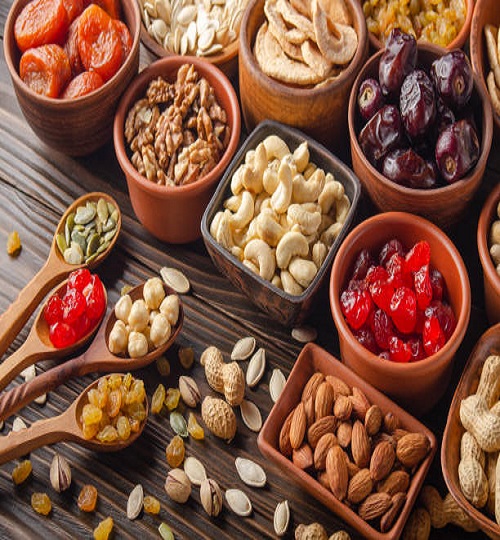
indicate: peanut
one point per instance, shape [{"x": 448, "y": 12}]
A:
[
  {"x": 473, "y": 481},
  {"x": 489, "y": 382},
  {"x": 418, "y": 526},
  {"x": 469, "y": 448},
  {"x": 484, "y": 425}
]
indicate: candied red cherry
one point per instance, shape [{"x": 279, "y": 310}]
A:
[
  {"x": 453, "y": 79},
  {"x": 82, "y": 326},
  {"x": 95, "y": 297},
  {"x": 457, "y": 150},
  {"x": 418, "y": 256},
  {"x": 74, "y": 306},
  {"x": 399, "y": 351},
  {"x": 398, "y": 273},
  {"x": 437, "y": 283},
  {"x": 61, "y": 335},
  {"x": 53, "y": 311},
  {"x": 381, "y": 291},
  {"x": 356, "y": 306},
  {"x": 367, "y": 339},
  {"x": 388, "y": 250},
  {"x": 398, "y": 59},
  {"x": 417, "y": 349},
  {"x": 370, "y": 98},
  {"x": 444, "y": 313},
  {"x": 376, "y": 273},
  {"x": 382, "y": 328},
  {"x": 362, "y": 264},
  {"x": 403, "y": 309},
  {"x": 423, "y": 287},
  {"x": 79, "y": 279},
  {"x": 407, "y": 168},
  {"x": 384, "y": 355},
  {"x": 417, "y": 103},
  {"x": 432, "y": 336}
]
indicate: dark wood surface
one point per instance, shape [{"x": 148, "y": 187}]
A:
[{"x": 36, "y": 186}]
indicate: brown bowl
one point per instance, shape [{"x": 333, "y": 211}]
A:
[
  {"x": 319, "y": 112},
  {"x": 173, "y": 214},
  {"x": 491, "y": 278},
  {"x": 443, "y": 205},
  {"x": 489, "y": 343},
  {"x": 312, "y": 359},
  {"x": 485, "y": 11},
  {"x": 287, "y": 308},
  {"x": 417, "y": 386},
  {"x": 73, "y": 126}
]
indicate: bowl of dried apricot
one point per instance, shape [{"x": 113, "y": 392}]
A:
[{"x": 69, "y": 66}]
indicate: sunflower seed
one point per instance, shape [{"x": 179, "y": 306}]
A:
[
  {"x": 178, "y": 424},
  {"x": 239, "y": 502},
  {"x": 194, "y": 470},
  {"x": 304, "y": 334},
  {"x": 256, "y": 368},
  {"x": 175, "y": 279},
  {"x": 281, "y": 518},
  {"x": 251, "y": 415},
  {"x": 29, "y": 373},
  {"x": 243, "y": 348},
  {"x": 250, "y": 472},
  {"x": 276, "y": 384},
  {"x": 18, "y": 424},
  {"x": 135, "y": 502}
]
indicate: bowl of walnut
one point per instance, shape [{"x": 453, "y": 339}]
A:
[{"x": 175, "y": 132}]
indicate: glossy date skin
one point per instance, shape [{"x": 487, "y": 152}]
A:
[
  {"x": 407, "y": 168},
  {"x": 417, "y": 103},
  {"x": 397, "y": 61},
  {"x": 453, "y": 79}
]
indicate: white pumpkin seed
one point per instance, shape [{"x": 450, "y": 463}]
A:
[
  {"x": 251, "y": 415},
  {"x": 256, "y": 368},
  {"x": 206, "y": 38},
  {"x": 18, "y": 424},
  {"x": 40, "y": 400},
  {"x": 150, "y": 9},
  {"x": 250, "y": 472},
  {"x": 135, "y": 502},
  {"x": 29, "y": 373},
  {"x": 281, "y": 518},
  {"x": 276, "y": 384},
  {"x": 165, "y": 532},
  {"x": 184, "y": 44},
  {"x": 186, "y": 15},
  {"x": 239, "y": 502},
  {"x": 164, "y": 10},
  {"x": 214, "y": 49},
  {"x": 191, "y": 34},
  {"x": 195, "y": 470},
  {"x": 243, "y": 348},
  {"x": 159, "y": 29},
  {"x": 175, "y": 279},
  {"x": 304, "y": 334}
]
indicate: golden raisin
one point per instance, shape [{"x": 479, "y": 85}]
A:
[
  {"x": 103, "y": 530},
  {"x": 87, "y": 499},
  {"x": 91, "y": 414},
  {"x": 107, "y": 434},
  {"x": 158, "y": 399},
  {"x": 13, "y": 244},
  {"x": 137, "y": 392},
  {"x": 21, "y": 471},
  {"x": 175, "y": 452},
  {"x": 194, "y": 429},
  {"x": 186, "y": 357},
  {"x": 114, "y": 403},
  {"x": 172, "y": 398},
  {"x": 151, "y": 505},
  {"x": 163, "y": 366},
  {"x": 123, "y": 428},
  {"x": 41, "y": 504}
]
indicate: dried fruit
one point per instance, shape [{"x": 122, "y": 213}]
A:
[
  {"x": 397, "y": 61},
  {"x": 13, "y": 244},
  {"x": 370, "y": 98},
  {"x": 194, "y": 428},
  {"x": 452, "y": 77},
  {"x": 103, "y": 529},
  {"x": 158, "y": 399},
  {"x": 417, "y": 103},
  {"x": 175, "y": 451},
  {"x": 21, "y": 471},
  {"x": 41, "y": 503},
  {"x": 151, "y": 505},
  {"x": 186, "y": 357},
  {"x": 87, "y": 499},
  {"x": 172, "y": 398}
]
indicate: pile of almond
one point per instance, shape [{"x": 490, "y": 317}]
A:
[{"x": 361, "y": 455}]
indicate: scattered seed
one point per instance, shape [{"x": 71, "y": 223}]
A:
[
  {"x": 195, "y": 470},
  {"x": 243, "y": 348},
  {"x": 18, "y": 424},
  {"x": 276, "y": 384},
  {"x": 175, "y": 279},
  {"x": 251, "y": 415},
  {"x": 304, "y": 334},
  {"x": 281, "y": 518},
  {"x": 29, "y": 373},
  {"x": 178, "y": 424},
  {"x": 239, "y": 502},
  {"x": 250, "y": 472},
  {"x": 165, "y": 532},
  {"x": 40, "y": 400},
  {"x": 256, "y": 368},
  {"x": 13, "y": 244},
  {"x": 190, "y": 392},
  {"x": 135, "y": 502}
]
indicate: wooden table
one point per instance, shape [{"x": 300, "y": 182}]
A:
[{"x": 36, "y": 186}]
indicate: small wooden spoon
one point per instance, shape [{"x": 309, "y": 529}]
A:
[
  {"x": 55, "y": 268},
  {"x": 97, "y": 358},
  {"x": 65, "y": 427},
  {"x": 38, "y": 345}
]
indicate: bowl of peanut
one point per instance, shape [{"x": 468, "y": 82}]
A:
[
  {"x": 175, "y": 131},
  {"x": 277, "y": 218}
]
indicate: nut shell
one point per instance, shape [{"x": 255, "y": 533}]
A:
[
  {"x": 213, "y": 361},
  {"x": 219, "y": 417},
  {"x": 233, "y": 380}
]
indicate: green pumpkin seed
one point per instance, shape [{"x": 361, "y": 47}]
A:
[
  {"x": 102, "y": 248},
  {"x": 85, "y": 214},
  {"x": 61, "y": 242},
  {"x": 102, "y": 210},
  {"x": 73, "y": 254},
  {"x": 92, "y": 244},
  {"x": 165, "y": 532},
  {"x": 108, "y": 225},
  {"x": 178, "y": 424},
  {"x": 68, "y": 227},
  {"x": 90, "y": 258},
  {"x": 111, "y": 208},
  {"x": 78, "y": 238},
  {"x": 114, "y": 215},
  {"x": 109, "y": 235}
]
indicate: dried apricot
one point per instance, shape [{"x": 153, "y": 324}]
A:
[
  {"x": 71, "y": 48},
  {"x": 41, "y": 22},
  {"x": 111, "y": 7},
  {"x": 87, "y": 499},
  {"x": 82, "y": 84},
  {"x": 45, "y": 69},
  {"x": 125, "y": 36},
  {"x": 73, "y": 9}
]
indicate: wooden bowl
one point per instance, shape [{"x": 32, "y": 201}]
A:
[
  {"x": 489, "y": 343},
  {"x": 485, "y": 11},
  {"x": 73, "y": 126},
  {"x": 312, "y": 359},
  {"x": 173, "y": 214},
  {"x": 416, "y": 386},
  {"x": 491, "y": 278},
  {"x": 286, "y": 308},
  {"x": 444, "y": 205},
  {"x": 319, "y": 112}
]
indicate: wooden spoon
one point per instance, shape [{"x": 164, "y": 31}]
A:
[
  {"x": 65, "y": 427},
  {"x": 97, "y": 358},
  {"x": 38, "y": 345},
  {"x": 55, "y": 268}
]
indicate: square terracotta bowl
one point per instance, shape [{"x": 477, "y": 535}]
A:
[
  {"x": 314, "y": 359},
  {"x": 287, "y": 308}
]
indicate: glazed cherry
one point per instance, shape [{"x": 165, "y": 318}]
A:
[
  {"x": 365, "y": 336},
  {"x": 399, "y": 350},
  {"x": 362, "y": 264},
  {"x": 74, "y": 306},
  {"x": 382, "y": 291},
  {"x": 53, "y": 310},
  {"x": 453, "y": 79},
  {"x": 62, "y": 335},
  {"x": 388, "y": 250},
  {"x": 445, "y": 316},
  {"x": 407, "y": 168},
  {"x": 423, "y": 287},
  {"x": 382, "y": 328},
  {"x": 398, "y": 59},
  {"x": 95, "y": 297},
  {"x": 418, "y": 256},
  {"x": 417, "y": 103},
  {"x": 403, "y": 309},
  {"x": 432, "y": 336},
  {"x": 370, "y": 98},
  {"x": 79, "y": 279},
  {"x": 356, "y": 306},
  {"x": 437, "y": 284}
]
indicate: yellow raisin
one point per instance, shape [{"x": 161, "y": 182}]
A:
[
  {"x": 87, "y": 499},
  {"x": 186, "y": 357},
  {"x": 194, "y": 429},
  {"x": 41, "y": 504},
  {"x": 175, "y": 452},
  {"x": 123, "y": 427},
  {"x": 13, "y": 244},
  {"x": 114, "y": 381},
  {"x": 114, "y": 403},
  {"x": 107, "y": 434},
  {"x": 90, "y": 431},
  {"x": 136, "y": 410},
  {"x": 91, "y": 414},
  {"x": 127, "y": 380},
  {"x": 163, "y": 366},
  {"x": 158, "y": 399},
  {"x": 172, "y": 398},
  {"x": 151, "y": 505},
  {"x": 103, "y": 530},
  {"x": 137, "y": 392},
  {"x": 135, "y": 425},
  {"x": 21, "y": 471}
]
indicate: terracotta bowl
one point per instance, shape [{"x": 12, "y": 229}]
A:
[
  {"x": 416, "y": 386},
  {"x": 73, "y": 126},
  {"x": 457, "y": 43},
  {"x": 490, "y": 276},
  {"x": 485, "y": 11},
  {"x": 489, "y": 343},
  {"x": 286, "y": 308},
  {"x": 312, "y": 359},
  {"x": 319, "y": 112},
  {"x": 173, "y": 214},
  {"x": 443, "y": 205}
]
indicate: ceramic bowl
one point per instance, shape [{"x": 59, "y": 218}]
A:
[
  {"x": 416, "y": 386},
  {"x": 485, "y": 12},
  {"x": 312, "y": 359},
  {"x": 488, "y": 344},
  {"x": 173, "y": 214},
  {"x": 286, "y": 308},
  {"x": 444, "y": 205},
  {"x": 73, "y": 126},
  {"x": 491, "y": 278},
  {"x": 319, "y": 112}
]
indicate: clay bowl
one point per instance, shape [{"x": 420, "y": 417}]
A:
[
  {"x": 488, "y": 344},
  {"x": 485, "y": 11},
  {"x": 443, "y": 205},
  {"x": 416, "y": 386},
  {"x": 491, "y": 278},
  {"x": 310, "y": 360},
  {"x": 73, "y": 126},
  {"x": 457, "y": 43},
  {"x": 173, "y": 214},
  {"x": 319, "y": 112},
  {"x": 286, "y": 308}
]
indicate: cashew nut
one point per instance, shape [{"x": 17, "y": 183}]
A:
[
  {"x": 291, "y": 244},
  {"x": 215, "y": 223},
  {"x": 250, "y": 265},
  {"x": 332, "y": 191},
  {"x": 233, "y": 203},
  {"x": 270, "y": 180},
  {"x": 290, "y": 286},
  {"x": 319, "y": 253},
  {"x": 343, "y": 206},
  {"x": 329, "y": 236},
  {"x": 245, "y": 211},
  {"x": 308, "y": 190},
  {"x": 269, "y": 229},
  {"x": 308, "y": 222},
  {"x": 223, "y": 234},
  {"x": 309, "y": 171},
  {"x": 236, "y": 181},
  {"x": 303, "y": 271},
  {"x": 276, "y": 147},
  {"x": 260, "y": 201},
  {"x": 301, "y": 156},
  {"x": 258, "y": 252},
  {"x": 276, "y": 281},
  {"x": 281, "y": 198}
]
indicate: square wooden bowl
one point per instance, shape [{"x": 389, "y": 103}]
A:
[{"x": 311, "y": 359}]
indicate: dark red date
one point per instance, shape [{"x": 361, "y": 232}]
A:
[
  {"x": 452, "y": 77},
  {"x": 407, "y": 168},
  {"x": 417, "y": 103},
  {"x": 370, "y": 98},
  {"x": 397, "y": 61}
]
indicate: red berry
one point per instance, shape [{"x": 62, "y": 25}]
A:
[
  {"x": 399, "y": 351},
  {"x": 78, "y": 279},
  {"x": 74, "y": 305},
  {"x": 362, "y": 264},
  {"x": 96, "y": 298},
  {"x": 423, "y": 287},
  {"x": 398, "y": 273},
  {"x": 382, "y": 292},
  {"x": 432, "y": 336},
  {"x": 356, "y": 306},
  {"x": 82, "y": 326},
  {"x": 376, "y": 273},
  {"x": 403, "y": 309},
  {"x": 365, "y": 336},
  {"x": 417, "y": 349},
  {"x": 445, "y": 316},
  {"x": 389, "y": 249},
  {"x": 418, "y": 256},
  {"x": 61, "y": 335},
  {"x": 384, "y": 355},
  {"x": 437, "y": 283},
  {"x": 53, "y": 310},
  {"x": 382, "y": 328}
]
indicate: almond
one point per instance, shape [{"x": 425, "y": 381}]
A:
[
  {"x": 412, "y": 448},
  {"x": 336, "y": 470},
  {"x": 298, "y": 426},
  {"x": 284, "y": 440},
  {"x": 312, "y": 386},
  {"x": 309, "y": 410},
  {"x": 321, "y": 451},
  {"x": 360, "y": 445},
  {"x": 360, "y": 403},
  {"x": 374, "y": 506},
  {"x": 323, "y": 480},
  {"x": 344, "y": 434},
  {"x": 342, "y": 408},
  {"x": 360, "y": 486},
  {"x": 373, "y": 420},
  {"x": 352, "y": 468},
  {"x": 339, "y": 386},
  {"x": 303, "y": 457},
  {"x": 324, "y": 425},
  {"x": 397, "y": 481},
  {"x": 391, "y": 422},
  {"x": 323, "y": 403},
  {"x": 382, "y": 460},
  {"x": 397, "y": 503}
]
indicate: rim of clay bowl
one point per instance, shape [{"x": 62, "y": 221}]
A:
[
  {"x": 462, "y": 318},
  {"x": 486, "y": 218},
  {"x": 138, "y": 86}
]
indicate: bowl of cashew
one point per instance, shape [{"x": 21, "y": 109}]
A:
[{"x": 276, "y": 220}]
